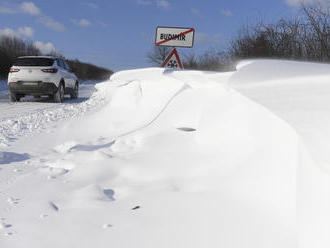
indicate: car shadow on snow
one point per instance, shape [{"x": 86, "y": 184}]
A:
[{"x": 67, "y": 100}]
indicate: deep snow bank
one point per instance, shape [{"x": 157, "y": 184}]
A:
[
  {"x": 206, "y": 167},
  {"x": 173, "y": 159},
  {"x": 263, "y": 70},
  {"x": 299, "y": 93}
]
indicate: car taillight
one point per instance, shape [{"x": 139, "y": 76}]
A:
[
  {"x": 52, "y": 70},
  {"x": 14, "y": 70}
]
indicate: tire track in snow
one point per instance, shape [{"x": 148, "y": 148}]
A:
[{"x": 22, "y": 125}]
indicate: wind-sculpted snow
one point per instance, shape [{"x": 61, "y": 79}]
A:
[
  {"x": 171, "y": 159},
  {"x": 299, "y": 93}
]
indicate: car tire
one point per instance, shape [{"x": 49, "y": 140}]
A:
[
  {"x": 59, "y": 95},
  {"x": 75, "y": 92},
  {"x": 14, "y": 97}
]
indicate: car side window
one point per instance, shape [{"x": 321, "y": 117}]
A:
[
  {"x": 60, "y": 63},
  {"x": 67, "y": 67}
]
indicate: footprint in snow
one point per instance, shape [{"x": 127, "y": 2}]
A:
[
  {"x": 106, "y": 226},
  {"x": 57, "y": 172},
  {"x": 4, "y": 225},
  {"x": 54, "y": 206},
  {"x": 13, "y": 200},
  {"x": 43, "y": 216},
  {"x": 8, "y": 234},
  {"x": 110, "y": 194},
  {"x": 53, "y": 172},
  {"x": 186, "y": 129}
]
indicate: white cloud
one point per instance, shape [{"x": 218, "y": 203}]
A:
[
  {"x": 26, "y": 31},
  {"x": 82, "y": 22},
  {"x": 143, "y": 2},
  {"x": 91, "y": 5},
  {"x": 30, "y": 8},
  {"x": 163, "y": 4},
  {"x": 45, "y": 48},
  {"x": 52, "y": 24},
  {"x": 8, "y": 32},
  {"x": 226, "y": 12},
  {"x": 22, "y": 31}
]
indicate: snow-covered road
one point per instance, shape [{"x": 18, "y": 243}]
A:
[
  {"x": 35, "y": 115},
  {"x": 156, "y": 158}
]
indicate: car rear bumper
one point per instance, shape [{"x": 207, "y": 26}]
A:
[{"x": 32, "y": 88}]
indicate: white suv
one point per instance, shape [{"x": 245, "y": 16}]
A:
[{"x": 41, "y": 75}]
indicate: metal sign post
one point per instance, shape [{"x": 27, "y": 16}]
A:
[{"x": 174, "y": 37}]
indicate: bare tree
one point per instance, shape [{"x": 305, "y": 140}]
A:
[
  {"x": 318, "y": 18},
  {"x": 10, "y": 49},
  {"x": 305, "y": 37},
  {"x": 158, "y": 55}
]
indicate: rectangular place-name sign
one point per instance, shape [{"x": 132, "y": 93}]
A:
[{"x": 175, "y": 37}]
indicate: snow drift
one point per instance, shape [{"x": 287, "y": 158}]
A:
[
  {"x": 299, "y": 93},
  {"x": 172, "y": 159}
]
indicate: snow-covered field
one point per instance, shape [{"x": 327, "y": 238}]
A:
[{"x": 155, "y": 158}]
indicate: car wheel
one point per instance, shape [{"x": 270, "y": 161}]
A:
[
  {"x": 59, "y": 95},
  {"x": 14, "y": 97},
  {"x": 75, "y": 93}
]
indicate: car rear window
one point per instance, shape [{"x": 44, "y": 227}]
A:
[{"x": 34, "y": 62}]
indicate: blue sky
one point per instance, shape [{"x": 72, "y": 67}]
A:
[{"x": 119, "y": 34}]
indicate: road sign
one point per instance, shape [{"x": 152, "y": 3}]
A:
[
  {"x": 173, "y": 60},
  {"x": 175, "y": 37}
]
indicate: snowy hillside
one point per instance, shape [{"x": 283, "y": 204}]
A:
[{"x": 156, "y": 158}]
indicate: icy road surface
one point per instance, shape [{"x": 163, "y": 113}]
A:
[{"x": 158, "y": 158}]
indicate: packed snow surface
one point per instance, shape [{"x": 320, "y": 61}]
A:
[{"x": 162, "y": 158}]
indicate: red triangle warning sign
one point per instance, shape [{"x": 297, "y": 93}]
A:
[{"x": 173, "y": 60}]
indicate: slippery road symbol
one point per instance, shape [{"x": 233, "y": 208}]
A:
[
  {"x": 173, "y": 60},
  {"x": 172, "y": 64}
]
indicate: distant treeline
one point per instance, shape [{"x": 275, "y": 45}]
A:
[
  {"x": 85, "y": 71},
  {"x": 304, "y": 37},
  {"x": 211, "y": 60},
  {"x": 13, "y": 47}
]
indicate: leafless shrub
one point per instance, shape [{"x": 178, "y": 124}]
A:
[{"x": 211, "y": 60}]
